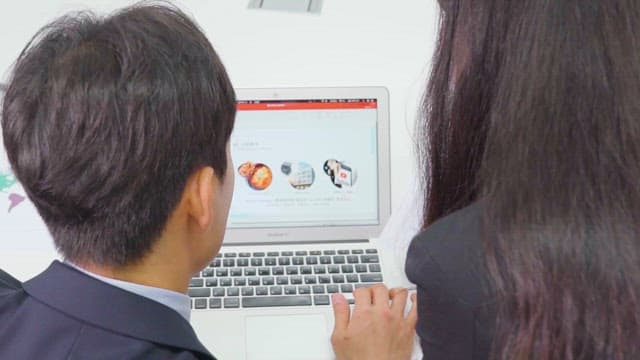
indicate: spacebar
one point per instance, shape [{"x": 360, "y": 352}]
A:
[{"x": 267, "y": 301}]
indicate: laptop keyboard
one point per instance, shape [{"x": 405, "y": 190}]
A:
[{"x": 283, "y": 278}]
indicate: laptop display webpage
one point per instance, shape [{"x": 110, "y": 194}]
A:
[{"x": 305, "y": 163}]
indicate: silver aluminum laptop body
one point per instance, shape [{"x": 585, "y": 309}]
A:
[{"x": 312, "y": 174}]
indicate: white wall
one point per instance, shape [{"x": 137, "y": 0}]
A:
[{"x": 351, "y": 43}]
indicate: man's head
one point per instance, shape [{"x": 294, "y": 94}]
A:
[{"x": 107, "y": 122}]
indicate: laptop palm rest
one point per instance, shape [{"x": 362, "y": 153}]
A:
[{"x": 286, "y": 337}]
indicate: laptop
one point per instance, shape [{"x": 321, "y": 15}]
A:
[{"x": 311, "y": 193}]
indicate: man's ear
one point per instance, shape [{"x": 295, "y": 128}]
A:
[{"x": 200, "y": 191}]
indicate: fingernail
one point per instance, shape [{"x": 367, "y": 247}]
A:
[{"x": 413, "y": 297}]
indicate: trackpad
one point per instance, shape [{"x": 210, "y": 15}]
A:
[{"x": 288, "y": 337}]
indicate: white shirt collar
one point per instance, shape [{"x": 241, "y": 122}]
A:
[{"x": 179, "y": 302}]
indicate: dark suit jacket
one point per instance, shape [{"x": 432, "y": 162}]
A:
[
  {"x": 455, "y": 301},
  {"x": 65, "y": 314}
]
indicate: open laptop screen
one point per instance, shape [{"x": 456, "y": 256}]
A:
[{"x": 305, "y": 163}]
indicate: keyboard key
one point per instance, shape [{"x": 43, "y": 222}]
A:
[
  {"x": 349, "y": 297},
  {"x": 332, "y": 289},
  {"x": 346, "y": 288},
  {"x": 312, "y": 260},
  {"x": 216, "y": 263},
  {"x": 284, "y": 261},
  {"x": 268, "y": 280},
  {"x": 297, "y": 261},
  {"x": 243, "y": 262},
  {"x": 352, "y": 278},
  {"x": 343, "y": 252},
  {"x": 361, "y": 268},
  {"x": 208, "y": 272},
  {"x": 275, "y": 290},
  {"x": 233, "y": 291},
  {"x": 217, "y": 292},
  {"x": 222, "y": 272},
  {"x": 282, "y": 280},
  {"x": 329, "y": 252},
  {"x": 315, "y": 252},
  {"x": 249, "y": 271},
  {"x": 273, "y": 253},
  {"x": 347, "y": 269},
  {"x": 270, "y": 261},
  {"x": 262, "y": 290},
  {"x": 337, "y": 279},
  {"x": 239, "y": 282},
  {"x": 357, "y": 251},
  {"x": 231, "y": 303},
  {"x": 338, "y": 259},
  {"x": 351, "y": 259},
  {"x": 268, "y": 301},
  {"x": 289, "y": 290},
  {"x": 325, "y": 260},
  {"x": 374, "y": 267},
  {"x": 318, "y": 289},
  {"x": 301, "y": 253},
  {"x": 320, "y": 269},
  {"x": 371, "y": 251},
  {"x": 256, "y": 262},
  {"x": 324, "y": 279},
  {"x": 199, "y": 292},
  {"x": 247, "y": 291},
  {"x": 200, "y": 303},
  {"x": 196, "y": 282},
  {"x": 230, "y": 255},
  {"x": 296, "y": 280},
  {"x": 292, "y": 270},
  {"x": 264, "y": 271},
  {"x": 305, "y": 270},
  {"x": 211, "y": 282},
  {"x": 244, "y": 254},
  {"x": 321, "y": 300},
  {"x": 214, "y": 303},
  {"x": 236, "y": 272},
  {"x": 229, "y": 262},
  {"x": 253, "y": 281},
  {"x": 371, "y": 277},
  {"x": 333, "y": 269},
  {"x": 309, "y": 280},
  {"x": 225, "y": 281},
  {"x": 277, "y": 270},
  {"x": 369, "y": 259},
  {"x": 258, "y": 254},
  {"x": 304, "y": 289},
  {"x": 286, "y": 253}
]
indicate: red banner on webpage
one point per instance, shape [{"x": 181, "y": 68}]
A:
[{"x": 304, "y": 105}]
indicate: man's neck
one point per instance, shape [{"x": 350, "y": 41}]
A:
[{"x": 164, "y": 275}]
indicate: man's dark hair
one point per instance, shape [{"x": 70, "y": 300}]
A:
[{"x": 104, "y": 119}]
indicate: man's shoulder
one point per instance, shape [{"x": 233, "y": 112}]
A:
[
  {"x": 63, "y": 312},
  {"x": 30, "y": 329},
  {"x": 93, "y": 341}
]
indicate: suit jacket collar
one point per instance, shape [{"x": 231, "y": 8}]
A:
[{"x": 90, "y": 300}]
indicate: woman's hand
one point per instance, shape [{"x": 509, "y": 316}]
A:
[{"x": 377, "y": 329}]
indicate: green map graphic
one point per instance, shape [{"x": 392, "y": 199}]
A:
[{"x": 7, "y": 180}]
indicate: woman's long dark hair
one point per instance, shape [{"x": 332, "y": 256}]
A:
[{"x": 533, "y": 106}]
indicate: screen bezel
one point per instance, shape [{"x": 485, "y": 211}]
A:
[{"x": 338, "y": 233}]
